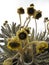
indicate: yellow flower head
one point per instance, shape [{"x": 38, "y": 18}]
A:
[
  {"x": 30, "y": 11},
  {"x": 41, "y": 46},
  {"x": 14, "y": 44},
  {"x": 44, "y": 44},
  {"x": 37, "y": 14},
  {"x": 20, "y": 10},
  {"x": 22, "y": 34}
]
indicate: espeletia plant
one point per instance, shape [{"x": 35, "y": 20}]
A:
[{"x": 21, "y": 46}]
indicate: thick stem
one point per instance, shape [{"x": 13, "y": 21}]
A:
[{"x": 33, "y": 50}]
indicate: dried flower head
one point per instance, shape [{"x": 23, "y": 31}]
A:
[
  {"x": 32, "y": 5},
  {"x": 14, "y": 44},
  {"x": 30, "y": 11},
  {"x": 4, "y": 24},
  {"x": 20, "y": 10},
  {"x": 6, "y": 21},
  {"x": 45, "y": 19},
  {"x": 37, "y": 14}
]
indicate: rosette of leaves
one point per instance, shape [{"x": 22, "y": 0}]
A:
[{"x": 8, "y": 31}]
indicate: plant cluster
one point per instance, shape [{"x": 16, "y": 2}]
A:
[{"x": 22, "y": 47}]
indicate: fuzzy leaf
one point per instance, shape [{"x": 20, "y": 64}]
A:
[
  {"x": 2, "y": 35},
  {"x": 13, "y": 28},
  {"x": 9, "y": 29},
  {"x": 32, "y": 35},
  {"x": 42, "y": 35},
  {"x": 17, "y": 28},
  {"x": 5, "y": 32},
  {"x": 6, "y": 50}
]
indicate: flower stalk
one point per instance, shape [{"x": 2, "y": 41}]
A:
[
  {"x": 36, "y": 26},
  {"x": 20, "y": 19},
  {"x": 28, "y": 22}
]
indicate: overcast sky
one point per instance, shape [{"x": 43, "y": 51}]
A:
[{"x": 8, "y": 11}]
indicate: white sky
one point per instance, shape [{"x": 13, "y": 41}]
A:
[{"x": 8, "y": 11}]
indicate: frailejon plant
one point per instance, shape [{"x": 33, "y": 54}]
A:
[{"x": 22, "y": 47}]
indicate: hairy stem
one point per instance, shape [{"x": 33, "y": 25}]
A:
[
  {"x": 28, "y": 21},
  {"x": 20, "y": 19}
]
